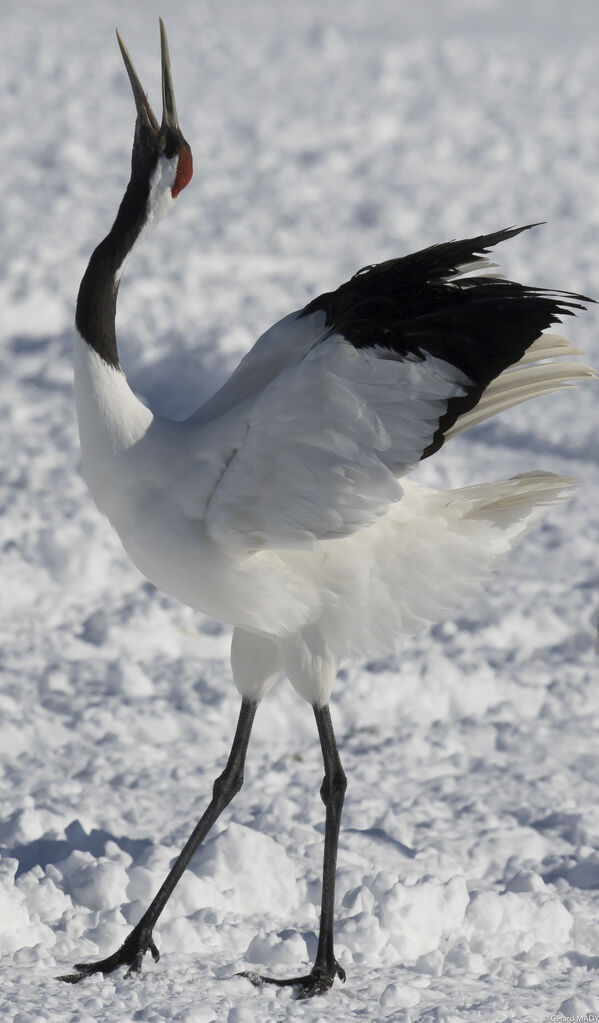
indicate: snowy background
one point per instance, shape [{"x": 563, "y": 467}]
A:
[{"x": 326, "y": 135}]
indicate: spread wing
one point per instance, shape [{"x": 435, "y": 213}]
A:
[
  {"x": 324, "y": 444},
  {"x": 384, "y": 368}
]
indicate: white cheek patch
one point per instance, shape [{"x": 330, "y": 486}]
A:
[{"x": 160, "y": 199}]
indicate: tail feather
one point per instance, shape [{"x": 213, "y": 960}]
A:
[
  {"x": 514, "y": 504},
  {"x": 433, "y": 550},
  {"x": 531, "y": 377}
]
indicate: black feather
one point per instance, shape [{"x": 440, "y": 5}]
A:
[{"x": 412, "y": 307}]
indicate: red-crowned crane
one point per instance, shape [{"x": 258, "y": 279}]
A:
[{"x": 282, "y": 505}]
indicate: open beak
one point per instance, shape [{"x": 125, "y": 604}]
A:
[
  {"x": 169, "y": 109},
  {"x": 144, "y": 110}
]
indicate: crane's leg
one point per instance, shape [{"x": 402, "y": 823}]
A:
[
  {"x": 326, "y": 967},
  {"x": 140, "y": 940}
]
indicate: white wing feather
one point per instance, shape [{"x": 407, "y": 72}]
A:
[
  {"x": 324, "y": 443},
  {"x": 287, "y": 340}
]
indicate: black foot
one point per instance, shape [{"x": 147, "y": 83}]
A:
[
  {"x": 315, "y": 983},
  {"x": 129, "y": 954}
]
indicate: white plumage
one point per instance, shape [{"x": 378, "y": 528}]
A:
[{"x": 278, "y": 505}]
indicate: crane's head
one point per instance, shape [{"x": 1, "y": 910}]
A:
[{"x": 161, "y": 158}]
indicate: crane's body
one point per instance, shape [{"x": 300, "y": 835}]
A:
[
  {"x": 281, "y": 505},
  {"x": 353, "y": 595}
]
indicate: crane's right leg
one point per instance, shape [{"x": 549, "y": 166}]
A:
[{"x": 140, "y": 940}]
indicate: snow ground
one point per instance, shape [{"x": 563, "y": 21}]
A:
[{"x": 326, "y": 136}]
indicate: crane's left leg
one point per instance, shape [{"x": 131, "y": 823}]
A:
[
  {"x": 140, "y": 940},
  {"x": 326, "y": 967}
]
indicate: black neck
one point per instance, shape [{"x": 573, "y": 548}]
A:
[{"x": 96, "y": 302}]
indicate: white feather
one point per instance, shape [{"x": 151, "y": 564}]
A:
[
  {"x": 528, "y": 378},
  {"x": 277, "y": 506},
  {"x": 323, "y": 446}
]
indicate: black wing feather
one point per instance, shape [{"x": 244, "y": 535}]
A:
[{"x": 410, "y": 306}]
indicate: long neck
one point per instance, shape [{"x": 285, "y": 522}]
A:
[{"x": 96, "y": 302}]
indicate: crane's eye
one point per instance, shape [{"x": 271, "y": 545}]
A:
[{"x": 170, "y": 147}]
